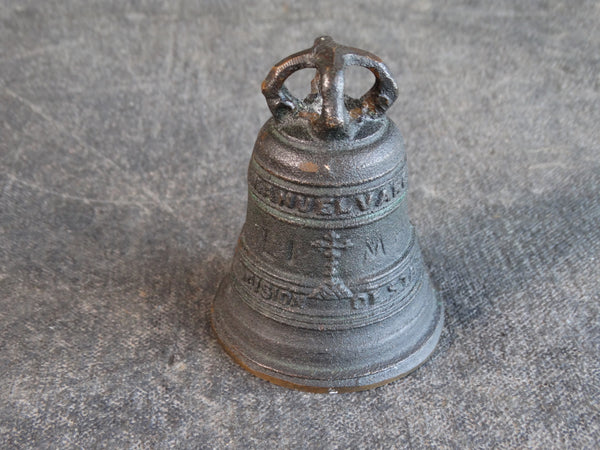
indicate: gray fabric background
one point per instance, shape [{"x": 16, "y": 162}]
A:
[{"x": 125, "y": 132}]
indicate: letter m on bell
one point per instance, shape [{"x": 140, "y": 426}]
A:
[{"x": 374, "y": 247}]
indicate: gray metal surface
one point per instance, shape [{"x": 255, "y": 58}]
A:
[
  {"x": 125, "y": 133},
  {"x": 327, "y": 290}
]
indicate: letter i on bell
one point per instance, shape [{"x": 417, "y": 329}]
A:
[{"x": 327, "y": 289}]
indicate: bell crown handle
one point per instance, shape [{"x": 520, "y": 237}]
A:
[{"x": 330, "y": 61}]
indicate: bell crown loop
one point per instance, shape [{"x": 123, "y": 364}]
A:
[{"x": 329, "y": 112}]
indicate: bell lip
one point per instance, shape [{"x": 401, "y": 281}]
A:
[{"x": 346, "y": 385}]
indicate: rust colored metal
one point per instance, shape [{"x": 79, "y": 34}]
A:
[{"x": 328, "y": 291}]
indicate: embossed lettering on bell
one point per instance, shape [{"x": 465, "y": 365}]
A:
[{"x": 327, "y": 289}]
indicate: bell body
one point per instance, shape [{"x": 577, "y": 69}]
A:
[{"x": 327, "y": 289}]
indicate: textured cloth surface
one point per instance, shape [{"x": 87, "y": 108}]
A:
[{"x": 125, "y": 132}]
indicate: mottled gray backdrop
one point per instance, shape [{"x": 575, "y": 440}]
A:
[{"x": 125, "y": 132}]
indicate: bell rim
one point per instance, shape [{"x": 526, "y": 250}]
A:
[{"x": 367, "y": 381}]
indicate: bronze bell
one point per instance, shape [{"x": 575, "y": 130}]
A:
[{"x": 328, "y": 291}]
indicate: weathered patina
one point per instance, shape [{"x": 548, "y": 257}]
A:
[{"x": 328, "y": 291}]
